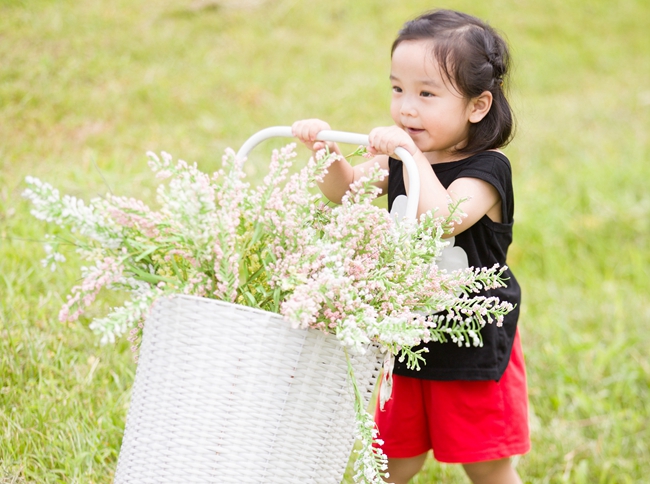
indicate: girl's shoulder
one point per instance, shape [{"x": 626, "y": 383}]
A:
[
  {"x": 492, "y": 160},
  {"x": 491, "y": 166},
  {"x": 491, "y": 153}
]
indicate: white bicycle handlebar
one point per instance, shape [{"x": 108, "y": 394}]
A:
[{"x": 350, "y": 138}]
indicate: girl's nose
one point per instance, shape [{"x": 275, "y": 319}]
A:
[{"x": 407, "y": 108}]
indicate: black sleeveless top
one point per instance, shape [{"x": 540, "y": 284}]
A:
[{"x": 486, "y": 243}]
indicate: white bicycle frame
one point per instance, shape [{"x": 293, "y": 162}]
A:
[{"x": 350, "y": 138}]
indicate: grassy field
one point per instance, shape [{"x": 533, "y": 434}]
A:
[{"x": 86, "y": 88}]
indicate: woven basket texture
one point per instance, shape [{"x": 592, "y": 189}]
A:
[{"x": 229, "y": 394}]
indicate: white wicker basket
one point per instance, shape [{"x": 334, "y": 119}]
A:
[{"x": 228, "y": 394}]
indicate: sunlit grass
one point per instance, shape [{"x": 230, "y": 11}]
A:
[{"x": 86, "y": 88}]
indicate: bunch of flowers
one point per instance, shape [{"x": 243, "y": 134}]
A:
[{"x": 350, "y": 269}]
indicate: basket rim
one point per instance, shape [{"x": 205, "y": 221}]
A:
[
  {"x": 255, "y": 311},
  {"x": 221, "y": 302}
]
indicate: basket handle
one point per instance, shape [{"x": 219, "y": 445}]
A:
[{"x": 350, "y": 138}]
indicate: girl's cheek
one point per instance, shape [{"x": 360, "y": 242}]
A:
[{"x": 394, "y": 112}]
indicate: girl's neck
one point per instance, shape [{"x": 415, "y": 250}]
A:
[{"x": 437, "y": 157}]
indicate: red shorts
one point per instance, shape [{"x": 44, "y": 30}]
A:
[{"x": 462, "y": 421}]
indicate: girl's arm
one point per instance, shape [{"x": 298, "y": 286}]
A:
[
  {"x": 481, "y": 197},
  {"x": 340, "y": 174}
]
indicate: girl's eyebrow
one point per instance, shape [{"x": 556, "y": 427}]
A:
[
  {"x": 426, "y": 81},
  {"x": 429, "y": 82}
]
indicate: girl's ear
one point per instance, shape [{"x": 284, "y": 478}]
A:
[{"x": 480, "y": 106}]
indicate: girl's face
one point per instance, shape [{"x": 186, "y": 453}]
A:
[{"x": 425, "y": 103}]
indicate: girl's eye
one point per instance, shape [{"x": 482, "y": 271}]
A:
[
  {"x": 426, "y": 94},
  {"x": 397, "y": 89}
]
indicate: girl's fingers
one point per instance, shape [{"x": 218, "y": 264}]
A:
[
  {"x": 382, "y": 141},
  {"x": 386, "y": 140},
  {"x": 307, "y": 130},
  {"x": 300, "y": 130}
]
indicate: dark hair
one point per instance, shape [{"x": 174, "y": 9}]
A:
[{"x": 474, "y": 58}]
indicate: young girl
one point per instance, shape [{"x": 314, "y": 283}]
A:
[{"x": 469, "y": 405}]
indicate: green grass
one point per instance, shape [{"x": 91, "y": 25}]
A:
[{"x": 86, "y": 88}]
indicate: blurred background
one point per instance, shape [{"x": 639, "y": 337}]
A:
[{"x": 86, "y": 88}]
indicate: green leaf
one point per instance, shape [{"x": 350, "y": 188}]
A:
[
  {"x": 276, "y": 298},
  {"x": 146, "y": 253},
  {"x": 148, "y": 276}
]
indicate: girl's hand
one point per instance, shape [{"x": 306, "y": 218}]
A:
[
  {"x": 384, "y": 141},
  {"x": 306, "y": 131}
]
